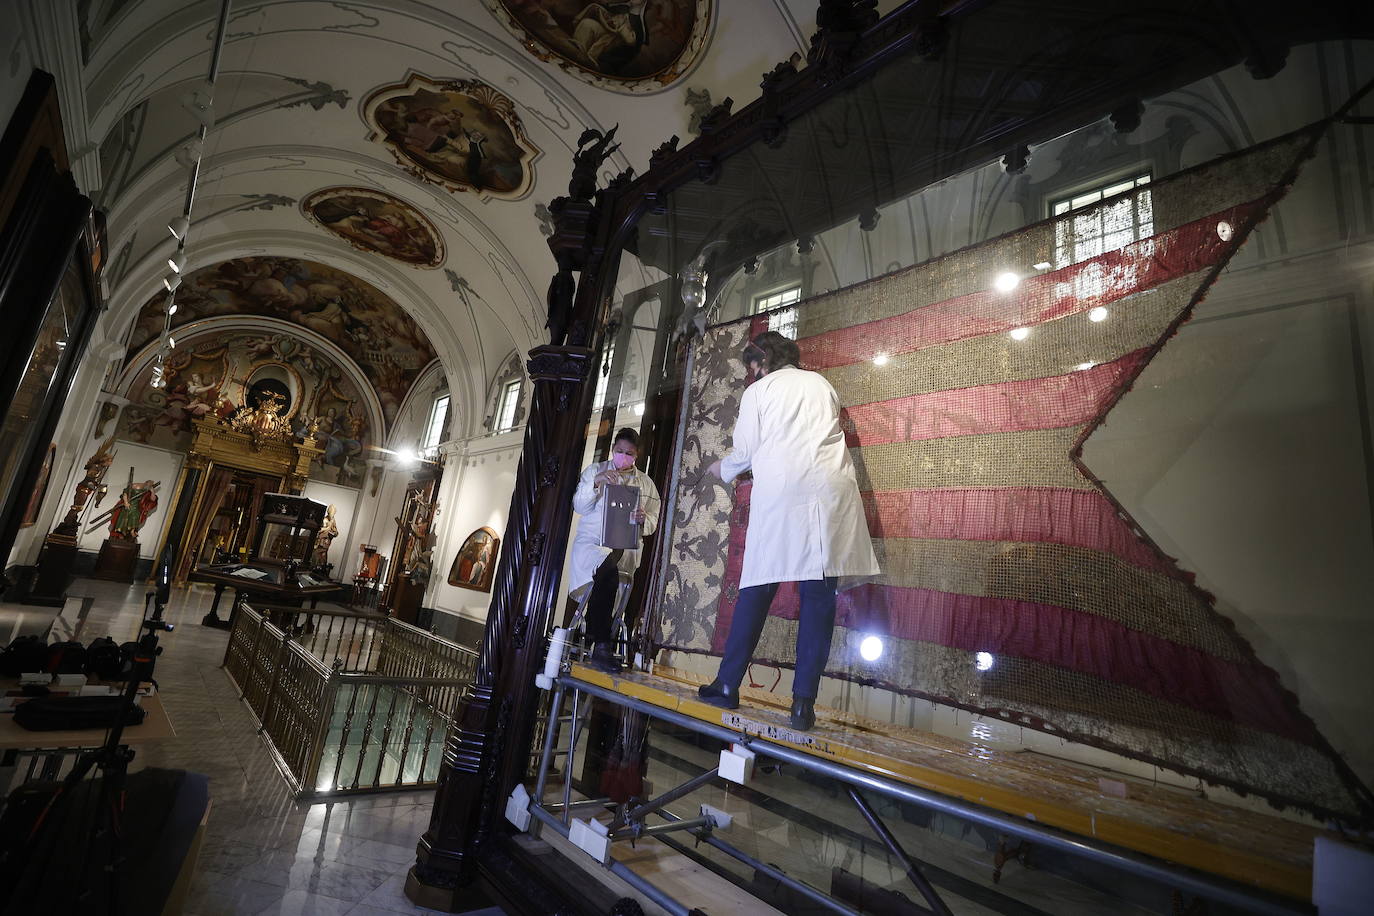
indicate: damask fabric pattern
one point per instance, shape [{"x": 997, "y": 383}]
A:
[{"x": 1013, "y": 583}]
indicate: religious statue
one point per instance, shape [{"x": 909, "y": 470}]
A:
[
  {"x": 329, "y": 530},
  {"x": 96, "y": 466},
  {"x": 135, "y": 504}
]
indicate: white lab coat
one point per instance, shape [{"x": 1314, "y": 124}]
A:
[
  {"x": 806, "y": 520},
  {"x": 587, "y": 552}
]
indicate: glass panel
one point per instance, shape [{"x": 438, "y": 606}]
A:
[
  {"x": 438, "y": 416},
  {"x": 510, "y": 402},
  {"x": 956, "y": 389},
  {"x": 1120, "y": 524},
  {"x": 21, "y": 423}
]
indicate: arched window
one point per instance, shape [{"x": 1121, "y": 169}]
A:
[{"x": 506, "y": 401}]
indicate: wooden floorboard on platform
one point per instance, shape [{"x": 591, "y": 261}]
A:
[{"x": 1271, "y": 853}]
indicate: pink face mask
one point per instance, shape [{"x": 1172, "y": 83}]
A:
[{"x": 622, "y": 461}]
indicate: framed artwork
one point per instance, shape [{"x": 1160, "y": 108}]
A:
[
  {"x": 461, "y": 134},
  {"x": 377, "y": 223},
  {"x": 40, "y": 490},
  {"x": 632, "y": 47},
  {"x": 476, "y": 561}
]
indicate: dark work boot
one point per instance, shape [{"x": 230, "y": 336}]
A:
[
  {"x": 803, "y": 713},
  {"x": 719, "y": 694},
  {"x": 603, "y": 659}
]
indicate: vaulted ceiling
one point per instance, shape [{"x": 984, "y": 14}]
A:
[{"x": 410, "y": 145}]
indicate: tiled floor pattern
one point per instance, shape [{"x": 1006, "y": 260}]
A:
[{"x": 263, "y": 852}]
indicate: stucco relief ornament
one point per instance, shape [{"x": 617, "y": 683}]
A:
[{"x": 461, "y": 134}]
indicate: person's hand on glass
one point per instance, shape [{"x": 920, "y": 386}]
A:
[
  {"x": 606, "y": 477},
  {"x": 638, "y": 515}
]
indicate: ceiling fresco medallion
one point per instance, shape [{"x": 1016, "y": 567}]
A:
[
  {"x": 632, "y": 46},
  {"x": 377, "y": 222},
  {"x": 461, "y": 134}
]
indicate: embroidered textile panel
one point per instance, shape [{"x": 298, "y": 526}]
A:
[{"x": 1013, "y": 582}]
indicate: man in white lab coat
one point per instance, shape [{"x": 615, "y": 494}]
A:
[
  {"x": 806, "y": 520},
  {"x": 601, "y": 566}
]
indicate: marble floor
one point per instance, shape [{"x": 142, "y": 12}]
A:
[{"x": 264, "y": 853}]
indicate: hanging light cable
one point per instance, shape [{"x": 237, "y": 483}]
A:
[{"x": 201, "y": 105}]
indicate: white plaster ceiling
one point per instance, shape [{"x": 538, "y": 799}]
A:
[{"x": 294, "y": 79}]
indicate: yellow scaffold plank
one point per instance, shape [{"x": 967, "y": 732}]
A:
[{"x": 1264, "y": 851}]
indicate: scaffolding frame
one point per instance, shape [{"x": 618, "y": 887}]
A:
[{"x": 629, "y": 819}]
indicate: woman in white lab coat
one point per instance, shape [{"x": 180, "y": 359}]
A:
[
  {"x": 806, "y": 519},
  {"x": 598, "y": 565}
]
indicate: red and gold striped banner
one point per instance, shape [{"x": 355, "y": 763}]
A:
[{"x": 1013, "y": 583}]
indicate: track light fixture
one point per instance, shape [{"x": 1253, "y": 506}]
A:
[{"x": 197, "y": 101}]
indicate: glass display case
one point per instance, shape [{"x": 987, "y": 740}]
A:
[
  {"x": 1061, "y": 597},
  {"x": 1099, "y": 372},
  {"x": 287, "y": 526}
]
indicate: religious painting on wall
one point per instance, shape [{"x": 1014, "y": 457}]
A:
[
  {"x": 376, "y": 222},
  {"x": 355, "y": 316},
  {"x": 217, "y": 374},
  {"x": 476, "y": 561},
  {"x": 461, "y": 134},
  {"x": 621, "y": 45}
]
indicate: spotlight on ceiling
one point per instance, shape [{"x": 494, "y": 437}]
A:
[
  {"x": 1097, "y": 314},
  {"x": 871, "y": 648},
  {"x": 172, "y": 309},
  {"x": 983, "y": 661},
  {"x": 1042, "y": 265},
  {"x": 881, "y": 359},
  {"x": 179, "y": 227},
  {"x": 1019, "y": 333},
  {"x": 171, "y": 281},
  {"x": 177, "y": 261},
  {"x": 1006, "y": 282}
]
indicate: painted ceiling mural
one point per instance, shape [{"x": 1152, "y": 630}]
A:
[
  {"x": 360, "y": 319},
  {"x": 211, "y": 376},
  {"x": 376, "y": 222},
  {"x": 461, "y": 134},
  {"x": 629, "y": 46}
]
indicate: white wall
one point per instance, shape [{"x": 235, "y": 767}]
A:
[
  {"x": 345, "y": 503},
  {"x": 148, "y": 464},
  {"x": 479, "y": 478}
]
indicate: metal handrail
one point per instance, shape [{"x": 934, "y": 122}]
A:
[
  {"x": 1179, "y": 877},
  {"x": 391, "y": 718}
]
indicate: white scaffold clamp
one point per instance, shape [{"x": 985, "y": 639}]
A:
[
  {"x": 737, "y": 764},
  {"x": 593, "y": 838},
  {"x": 553, "y": 662},
  {"x": 719, "y": 819},
  {"x": 518, "y": 808}
]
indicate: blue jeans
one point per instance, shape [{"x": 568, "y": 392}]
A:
[{"x": 814, "y": 631}]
